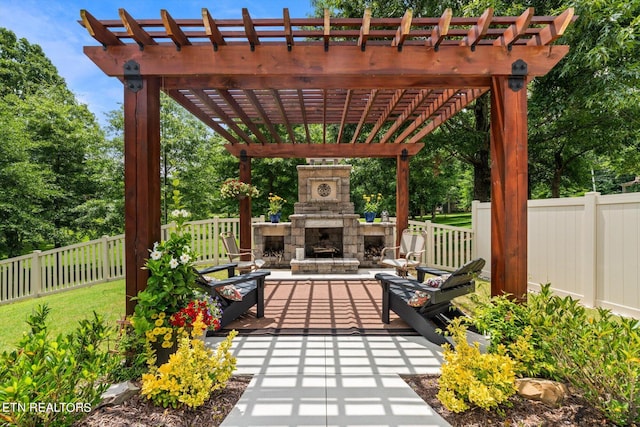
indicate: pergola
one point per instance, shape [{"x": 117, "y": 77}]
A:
[{"x": 402, "y": 77}]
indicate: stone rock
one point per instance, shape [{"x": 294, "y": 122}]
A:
[
  {"x": 550, "y": 392},
  {"x": 118, "y": 393}
]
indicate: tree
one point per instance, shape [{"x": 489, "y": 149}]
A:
[{"x": 48, "y": 139}]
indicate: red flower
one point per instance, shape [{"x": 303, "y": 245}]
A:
[{"x": 187, "y": 315}]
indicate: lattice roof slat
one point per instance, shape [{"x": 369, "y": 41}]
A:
[{"x": 250, "y": 79}]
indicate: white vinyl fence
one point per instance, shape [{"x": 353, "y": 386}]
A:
[
  {"x": 96, "y": 261},
  {"x": 585, "y": 247},
  {"x": 102, "y": 260}
]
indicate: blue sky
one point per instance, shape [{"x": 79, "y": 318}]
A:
[{"x": 54, "y": 26}]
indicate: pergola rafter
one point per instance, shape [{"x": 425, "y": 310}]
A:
[{"x": 251, "y": 79}]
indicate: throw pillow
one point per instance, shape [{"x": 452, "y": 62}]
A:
[
  {"x": 230, "y": 292},
  {"x": 436, "y": 282},
  {"x": 418, "y": 299}
]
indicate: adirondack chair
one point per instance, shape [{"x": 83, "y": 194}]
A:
[
  {"x": 431, "y": 306},
  {"x": 236, "y": 254},
  {"x": 407, "y": 255},
  {"x": 250, "y": 286}
]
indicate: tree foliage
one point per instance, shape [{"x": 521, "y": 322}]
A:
[{"x": 48, "y": 172}]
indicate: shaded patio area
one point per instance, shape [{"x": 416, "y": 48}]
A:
[{"x": 320, "y": 307}]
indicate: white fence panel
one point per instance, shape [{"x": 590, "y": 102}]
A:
[
  {"x": 618, "y": 253},
  {"x": 97, "y": 261},
  {"x": 585, "y": 247}
]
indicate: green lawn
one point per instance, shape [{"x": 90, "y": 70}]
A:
[
  {"x": 67, "y": 308},
  {"x": 456, "y": 219}
]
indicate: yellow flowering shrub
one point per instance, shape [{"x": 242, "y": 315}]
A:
[
  {"x": 192, "y": 373},
  {"x": 471, "y": 378}
]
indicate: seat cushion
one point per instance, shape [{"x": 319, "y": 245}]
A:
[
  {"x": 229, "y": 292},
  {"x": 436, "y": 282},
  {"x": 419, "y": 299}
]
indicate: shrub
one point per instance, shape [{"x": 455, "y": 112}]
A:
[
  {"x": 469, "y": 377},
  {"x": 56, "y": 380},
  {"x": 557, "y": 338},
  {"x": 514, "y": 329},
  {"x": 598, "y": 353},
  {"x": 191, "y": 374}
]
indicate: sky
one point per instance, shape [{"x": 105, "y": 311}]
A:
[{"x": 54, "y": 26}]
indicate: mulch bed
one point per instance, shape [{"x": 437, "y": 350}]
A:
[
  {"x": 575, "y": 411},
  {"x": 138, "y": 411}
]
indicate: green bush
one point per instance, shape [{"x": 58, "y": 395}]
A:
[
  {"x": 513, "y": 330},
  {"x": 598, "y": 353},
  {"x": 54, "y": 381},
  {"x": 469, "y": 377},
  {"x": 191, "y": 374},
  {"x": 557, "y": 338}
]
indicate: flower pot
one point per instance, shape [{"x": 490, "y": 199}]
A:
[
  {"x": 275, "y": 218},
  {"x": 163, "y": 353},
  {"x": 369, "y": 216}
]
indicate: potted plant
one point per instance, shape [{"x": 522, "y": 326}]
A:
[
  {"x": 233, "y": 188},
  {"x": 275, "y": 207},
  {"x": 171, "y": 301},
  {"x": 371, "y": 206}
]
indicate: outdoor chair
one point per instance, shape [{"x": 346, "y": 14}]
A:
[
  {"x": 236, "y": 254},
  {"x": 248, "y": 290},
  {"x": 427, "y": 307},
  {"x": 407, "y": 255}
]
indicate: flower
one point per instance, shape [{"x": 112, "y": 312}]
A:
[
  {"x": 275, "y": 203},
  {"x": 372, "y": 202},
  {"x": 188, "y": 315},
  {"x": 234, "y": 188}
]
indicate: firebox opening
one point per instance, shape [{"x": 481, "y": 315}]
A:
[
  {"x": 373, "y": 246},
  {"x": 273, "y": 246},
  {"x": 323, "y": 242}
]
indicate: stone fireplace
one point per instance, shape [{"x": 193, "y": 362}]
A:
[{"x": 324, "y": 234}]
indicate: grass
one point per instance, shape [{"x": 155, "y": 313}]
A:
[
  {"x": 462, "y": 219},
  {"x": 67, "y": 308}
]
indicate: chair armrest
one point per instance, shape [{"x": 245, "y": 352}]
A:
[
  {"x": 258, "y": 275},
  {"x": 414, "y": 253},
  {"x": 429, "y": 270},
  {"x": 230, "y": 267},
  {"x": 401, "y": 281},
  {"x": 390, "y": 248}
]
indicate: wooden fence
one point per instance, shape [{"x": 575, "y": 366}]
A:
[{"x": 102, "y": 260}]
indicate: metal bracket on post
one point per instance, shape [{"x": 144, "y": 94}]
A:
[
  {"x": 243, "y": 156},
  {"x": 404, "y": 155},
  {"x": 132, "y": 77},
  {"x": 518, "y": 75}
]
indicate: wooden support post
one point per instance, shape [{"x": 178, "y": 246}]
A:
[
  {"x": 142, "y": 181},
  {"x": 509, "y": 186},
  {"x": 402, "y": 195},
  {"x": 245, "y": 206}
]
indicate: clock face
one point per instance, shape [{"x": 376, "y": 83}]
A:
[{"x": 324, "y": 190}]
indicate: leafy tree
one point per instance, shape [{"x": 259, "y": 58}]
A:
[
  {"x": 48, "y": 134},
  {"x": 590, "y": 97},
  {"x": 24, "y": 68}
]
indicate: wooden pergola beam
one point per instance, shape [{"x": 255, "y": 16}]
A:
[
  {"x": 344, "y": 150},
  {"x": 142, "y": 182},
  {"x": 307, "y": 66},
  {"x": 509, "y": 189}
]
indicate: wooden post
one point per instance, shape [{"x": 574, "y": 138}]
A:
[
  {"x": 245, "y": 206},
  {"x": 141, "y": 181},
  {"x": 509, "y": 186},
  {"x": 402, "y": 195}
]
